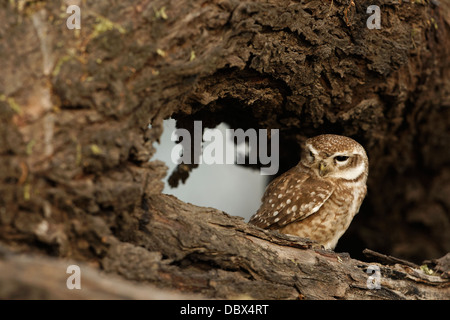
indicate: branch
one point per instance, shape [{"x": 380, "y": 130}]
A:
[
  {"x": 215, "y": 255},
  {"x": 220, "y": 256}
]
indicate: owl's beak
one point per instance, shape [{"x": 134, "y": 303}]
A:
[{"x": 322, "y": 169}]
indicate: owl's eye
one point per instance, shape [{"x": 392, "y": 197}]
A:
[
  {"x": 311, "y": 154},
  {"x": 341, "y": 158}
]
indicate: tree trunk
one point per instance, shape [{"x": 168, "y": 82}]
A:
[{"x": 75, "y": 177}]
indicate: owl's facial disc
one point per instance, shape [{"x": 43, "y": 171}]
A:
[
  {"x": 311, "y": 155},
  {"x": 348, "y": 167},
  {"x": 342, "y": 165}
]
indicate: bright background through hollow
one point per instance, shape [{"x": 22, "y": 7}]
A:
[{"x": 234, "y": 189}]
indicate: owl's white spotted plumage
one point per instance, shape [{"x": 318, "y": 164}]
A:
[{"x": 318, "y": 198}]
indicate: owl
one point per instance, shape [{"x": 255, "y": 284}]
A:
[{"x": 318, "y": 198}]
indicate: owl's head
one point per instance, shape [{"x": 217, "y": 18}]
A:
[{"x": 334, "y": 156}]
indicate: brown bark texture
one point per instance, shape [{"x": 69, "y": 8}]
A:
[{"x": 76, "y": 176}]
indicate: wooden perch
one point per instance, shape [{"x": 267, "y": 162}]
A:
[
  {"x": 209, "y": 252},
  {"x": 205, "y": 251}
]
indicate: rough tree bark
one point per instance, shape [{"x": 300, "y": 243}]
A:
[{"x": 75, "y": 176}]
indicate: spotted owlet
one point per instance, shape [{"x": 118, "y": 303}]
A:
[{"x": 318, "y": 198}]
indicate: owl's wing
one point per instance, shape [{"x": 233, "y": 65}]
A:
[{"x": 293, "y": 196}]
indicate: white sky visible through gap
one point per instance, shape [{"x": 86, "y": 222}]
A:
[{"x": 234, "y": 189}]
